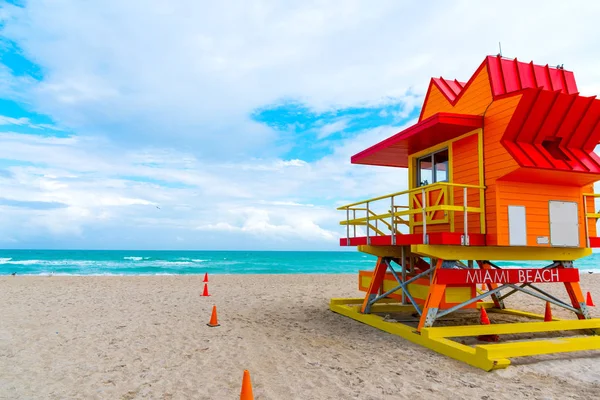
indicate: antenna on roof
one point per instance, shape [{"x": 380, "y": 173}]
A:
[{"x": 500, "y": 47}]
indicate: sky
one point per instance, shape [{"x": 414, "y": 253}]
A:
[{"x": 230, "y": 125}]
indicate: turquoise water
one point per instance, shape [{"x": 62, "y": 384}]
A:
[{"x": 112, "y": 262}]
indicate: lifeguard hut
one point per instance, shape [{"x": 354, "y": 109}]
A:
[{"x": 500, "y": 168}]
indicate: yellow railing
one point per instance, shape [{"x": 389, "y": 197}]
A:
[
  {"x": 595, "y": 215},
  {"x": 393, "y": 215}
]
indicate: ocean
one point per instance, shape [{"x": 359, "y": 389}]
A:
[{"x": 133, "y": 262}]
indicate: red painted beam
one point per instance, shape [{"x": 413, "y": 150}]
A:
[
  {"x": 435, "y": 238},
  {"x": 517, "y": 275}
]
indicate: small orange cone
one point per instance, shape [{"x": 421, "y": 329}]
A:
[
  {"x": 548, "y": 314},
  {"x": 483, "y": 317},
  {"x": 205, "y": 292},
  {"x": 205, "y": 277},
  {"x": 588, "y": 301},
  {"x": 213, "y": 318},
  {"x": 246, "y": 393}
]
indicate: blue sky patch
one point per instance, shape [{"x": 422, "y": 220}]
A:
[
  {"x": 309, "y": 135},
  {"x": 11, "y": 55},
  {"x": 169, "y": 184},
  {"x": 32, "y": 205}
]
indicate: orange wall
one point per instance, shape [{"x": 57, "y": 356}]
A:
[
  {"x": 477, "y": 100},
  {"x": 465, "y": 170},
  {"x": 590, "y": 205},
  {"x": 496, "y": 160},
  {"x": 474, "y": 101},
  {"x": 535, "y": 198}
]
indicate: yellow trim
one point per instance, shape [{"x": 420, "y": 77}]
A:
[
  {"x": 484, "y": 356},
  {"x": 375, "y": 217},
  {"x": 481, "y": 180},
  {"x": 537, "y": 347},
  {"x": 450, "y": 348},
  {"x": 412, "y": 166},
  {"x": 442, "y": 145},
  {"x": 431, "y": 209},
  {"x": 521, "y": 313},
  {"x": 412, "y": 171},
  {"x": 444, "y": 189},
  {"x": 510, "y": 328},
  {"x": 500, "y": 253},
  {"x": 387, "y": 196},
  {"x": 451, "y": 179}
]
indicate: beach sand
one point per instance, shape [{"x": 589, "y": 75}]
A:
[{"x": 146, "y": 337}]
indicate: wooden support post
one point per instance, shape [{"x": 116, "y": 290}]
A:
[
  {"x": 496, "y": 296},
  {"x": 434, "y": 298},
  {"x": 577, "y": 299},
  {"x": 376, "y": 282}
]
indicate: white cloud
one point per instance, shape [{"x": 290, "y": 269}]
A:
[
  {"x": 4, "y": 120},
  {"x": 161, "y": 94},
  {"x": 331, "y": 128},
  {"x": 275, "y": 202},
  {"x": 195, "y": 71}
]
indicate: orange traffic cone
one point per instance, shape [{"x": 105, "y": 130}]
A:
[
  {"x": 213, "y": 318},
  {"x": 205, "y": 277},
  {"x": 548, "y": 314},
  {"x": 246, "y": 393},
  {"x": 483, "y": 317},
  {"x": 205, "y": 292},
  {"x": 588, "y": 301}
]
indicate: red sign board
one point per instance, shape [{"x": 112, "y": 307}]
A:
[{"x": 520, "y": 275}]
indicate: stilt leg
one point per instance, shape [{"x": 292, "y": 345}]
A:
[
  {"x": 434, "y": 298},
  {"x": 376, "y": 282},
  {"x": 496, "y": 296},
  {"x": 576, "y": 296}
]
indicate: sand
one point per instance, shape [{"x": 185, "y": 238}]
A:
[{"x": 146, "y": 337}]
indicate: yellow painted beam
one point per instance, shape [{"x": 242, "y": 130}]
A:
[
  {"x": 506, "y": 253},
  {"x": 359, "y": 300},
  {"x": 536, "y": 347},
  {"x": 444, "y": 346},
  {"x": 392, "y": 308},
  {"x": 382, "y": 251},
  {"x": 510, "y": 311},
  {"x": 517, "y": 327}
]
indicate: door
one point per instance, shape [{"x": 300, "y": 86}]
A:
[
  {"x": 564, "y": 224},
  {"x": 517, "y": 227}
]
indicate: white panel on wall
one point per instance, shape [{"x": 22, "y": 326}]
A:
[
  {"x": 564, "y": 224},
  {"x": 517, "y": 228}
]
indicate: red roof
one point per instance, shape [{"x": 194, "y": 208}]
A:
[
  {"x": 394, "y": 151},
  {"x": 450, "y": 89},
  {"x": 555, "y": 130},
  {"x": 508, "y": 76},
  {"x": 551, "y": 128}
]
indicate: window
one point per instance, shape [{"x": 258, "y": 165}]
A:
[
  {"x": 425, "y": 171},
  {"x": 552, "y": 146},
  {"x": 432, "y": 168}
]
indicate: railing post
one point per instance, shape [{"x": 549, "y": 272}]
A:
[
  {"x": 368, "y": 238},
  {"x": 394, "y": 228},
  {"x": 424, "y": 205},
  {"x": 347, "y": 227},
  {"x": 354, "y": 218},
  {"x": 585, "y": 216},
  {"x": 466, "y": 221}
]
